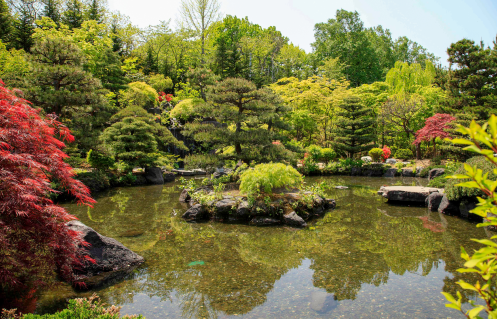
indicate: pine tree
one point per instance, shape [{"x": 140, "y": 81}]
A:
[
  {"x": 95, "y": 11},
  {"x": 5, "y": 23},
  {"x": 244, "y": 113},
  {"x": 73, "y": 15},
  {"x": 354, "y": 131},
  {"x": 23, "y": 29},
  {"x": 52, "y": 10}
]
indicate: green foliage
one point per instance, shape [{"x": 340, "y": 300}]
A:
[
  {"x": 159, "y": 82},
  {"x": 404, "y": 154},
  {"x": 266, "y": 177},
  {"x": 438, "y": 182},
  {"x": 437, "y": 160},
  {"x": 139, "y": 94},
  {"x": 186, "y": 109},
  {"x": 328, "y": 154},
  {"x": 375, "y": 153},
  {"x": 80, "y": 308},
  {"x": 99, "y": 160},
  {"x": 426, "y": 171},
  {"x": 483, "y": 262},
  {"x": 208, "y": 162},
  {"x": 315, "y": 152},
  {"x": 95, "y": 180},
  {"x": 457, "y": 193}
]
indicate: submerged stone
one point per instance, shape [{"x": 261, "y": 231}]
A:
[
  {"x": 294, "y": 220},
  {"x": 264, "y": 221}
]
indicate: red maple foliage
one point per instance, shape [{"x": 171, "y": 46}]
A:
[
  {"x": 35, "y": 242},
  {"x": 435, "y": 126}
]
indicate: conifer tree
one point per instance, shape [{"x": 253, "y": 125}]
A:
[
  {"x": 244, "y": 112},
  {"x": 5, "y": 23},
  {"x": 73, "y": 15},
  {"x": 23, "y": 29},
  {"x": 354, "y": 132},
  {"x": 95, "y": 11},
  {"x": 52, "y": 10}
]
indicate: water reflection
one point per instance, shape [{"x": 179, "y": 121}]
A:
[{"x": 364, "y": 258}]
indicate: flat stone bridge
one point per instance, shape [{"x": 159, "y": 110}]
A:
[{"x": 412, "y": 194}]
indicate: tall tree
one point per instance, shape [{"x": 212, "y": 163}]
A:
[
  {"x": 73, "y": 14},
  {"x": 52, "y": 10},
  {"x": 237, "y": 103},
  {"x": 23, "y": 29},
  {"x": 5, "y": 23},
  {"x": 95, "y": 11},
  {"x": 199, "y": 15},
  {"x": 354, "y": 131}
]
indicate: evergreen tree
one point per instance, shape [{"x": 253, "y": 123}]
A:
[
  {"x": 73, "y": 15},
  {"x": 52, "y": 10},
  {"x": 244, "y": 113},
  {"x": 95, "y": 11},
  {"x": 5, "y": 23},
  {"x": 23, "y": 29},
  {"x": 354, "y": 127}
]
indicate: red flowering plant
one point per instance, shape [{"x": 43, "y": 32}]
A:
[
  {"x": 34, "y": 239},
  {"x": 386, "y": 153},
  {"x": 164, "y": 97}
]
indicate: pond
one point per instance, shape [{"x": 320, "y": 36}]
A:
[{"x": 366, "y": 259}]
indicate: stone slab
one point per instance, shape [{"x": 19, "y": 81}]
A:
[{"x": 413, "y": 194}]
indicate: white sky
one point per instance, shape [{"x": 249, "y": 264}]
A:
[{"x": 434, "y": 24}]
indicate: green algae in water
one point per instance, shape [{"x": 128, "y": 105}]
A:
[{"x": 365, "y": 259}]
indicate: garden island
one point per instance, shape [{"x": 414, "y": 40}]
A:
[{"x": 214, "y": 169}]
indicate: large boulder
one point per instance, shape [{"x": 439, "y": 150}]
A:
[
  {"x": 154, "y": 175},
  {"x": 329, "y": 204},
  {"x": 226, "y": 206},
  {"x": 196, "y": 213},
  {"x": 112, "y": 259},
  {"x": 294, "y": 220},
  {"x": 435, "y": 173},
  {"x": 391, "y": 172},
  {"x": 465, "y": 209},
  {"x": 367, "y": 159},
  {"x": 433, "y": 201},
  {"x": 408, "y": 173},
  {"x": 391, "y": 161},
  {"x": 448, "y": 207},
  {"x": 415, "y": 194},
  {"x": 244, "y": 210},
  {"x": 169, "y": 177}
]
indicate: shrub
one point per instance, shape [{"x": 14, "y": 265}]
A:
[
  {"x": 208, "y": 162},
  {"x": 457, "y": 193},
  {"x": 328, "y": 154},
  {"x": 314, "y": 152},
  {"x": 437, "y": 160},
  {"x": 386, "y": 153},
  {"x": 99, "y": 160},
  {"x": 438, "y": 182},
  {"x": 266, "y": 177},
  {"x": 81, "y": 308},
  {"x": 375, "y": 153},
  {"x": 404, "y": 154},
  {"x": 95, "y": 180},
  {"x": 295, "y": 146},
  {"x": 332, "y": 168},
  {"x": 139, "y": 94},
  {"x": 185, "y": 109}
]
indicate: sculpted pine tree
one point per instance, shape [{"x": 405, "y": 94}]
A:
[
  {"x": 245, "y": 117},
  {"x": 354, "y": 131}
]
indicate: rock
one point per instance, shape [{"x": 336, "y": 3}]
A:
[
  {"x": 182, "y": 172},
  {"x": 391, "y": 172},
  {"x": 391, "y": 161},
  {"x": 169, "y": 177},
  {"x": 154, "y": 175},
  {"x": 341, "y": 187},
  {"x": 294, "y": 220},
  {"x": 199, "y": 172},
  {"x": 448, "y": 207},
  {"x": 329, "y": 204},
  {"x": 218, "y": 174},
  {"x": 195, "y": 213},
  {"x": 323, "y": 302},
  {"x": 244, "y": 210},
  {"x": 140, "y": 180},
  {"x": 356, "y": 171},
  {"x": 225, "y": 206},
  {"x": 184, "y": 196},
  {"x": 408, "y": 173},
  {"x": 416, "y": 194},
  {"x": 366, "y": 159},
  {"x": 435, "y": 173},
  {"x": 433, "y": 201},
  {"x": 111, "y": 257},
  {"x": 465, "y": 208},
  {"x": 264, "y": 221}
]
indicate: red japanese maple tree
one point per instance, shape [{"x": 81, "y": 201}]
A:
[
  {"x": 435, "y": 126},
  {"x": 35, "y": 242}
]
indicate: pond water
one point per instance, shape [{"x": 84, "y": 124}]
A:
[{"x": 366, "y": 259}]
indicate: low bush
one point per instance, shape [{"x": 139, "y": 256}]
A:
[
  {"x": 95, "y": 180},
  {"x": 457, "y": 193},
  {"x": 314, "y": 152},
  {"x": 404, "y": 154},
  {"x": 328, "y": 154},
  {"x": 375, "y": 154},
  {"x": 185, "y": 109},
  {"x": 438, "y": 182},
  {"x": 437, "y": 160},
  {"x": 266, "y": 177},
  {"x": 99, "y": 160},
  {"x": 80, "y": 308}
]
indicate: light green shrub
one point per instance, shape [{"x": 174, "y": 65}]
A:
[
  {"x": 328, "y": 154},
  {"x": 404, "y": 154},
  {"x": 185, "y": 109},
  {"x": 375, "y": 153},
  {"x": 266, "y": 177},
  {"x": 139, "y": 94},
  {"x": 315, "y": 152}
]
